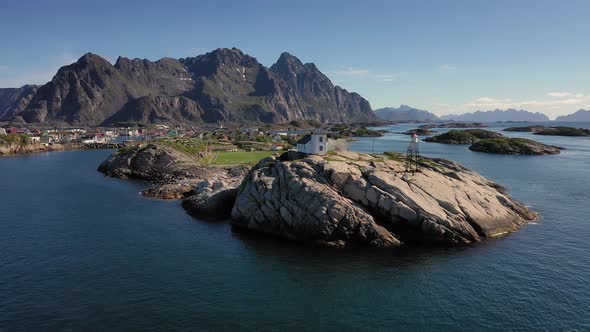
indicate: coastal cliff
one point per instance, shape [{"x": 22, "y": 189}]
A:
[{"x": 356, "y": 199}]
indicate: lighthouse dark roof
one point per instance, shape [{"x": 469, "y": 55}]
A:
[{"x": 305, "y": 139}]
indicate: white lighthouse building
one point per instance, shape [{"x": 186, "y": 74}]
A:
[{"x": 313, "y": 143}]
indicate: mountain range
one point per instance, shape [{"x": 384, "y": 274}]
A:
[
  {"x": 405, "y": 113},
  {"x": 579, "y": 116},
  {"x": 497, "y": 116},
  {"x": 224, "y": 85}
]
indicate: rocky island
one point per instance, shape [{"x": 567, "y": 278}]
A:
[
  {"x": 455, "y": 125},
  {"x": 419, "y": 132},
  {"x": 493, "y": 142},
  {"x": 551, "y": 131},
  {"x": 342, "y": 199},
  {"x": 467, "y": 136},
  {"x": 507, "y": 145}
]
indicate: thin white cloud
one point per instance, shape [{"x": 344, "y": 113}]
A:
[
  {"x": 488, "y": 103},
  {"x": 3, "y": 68},
  {"x": 447, "y": 67},
  {"x": 348, "y": 73},
  {"x": 560, "y": 94},
  {"x": 565, "y": 95}
]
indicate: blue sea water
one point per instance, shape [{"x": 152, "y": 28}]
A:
[{"x": 82, "y": 252}]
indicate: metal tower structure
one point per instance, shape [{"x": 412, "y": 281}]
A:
[{"x": 413, "y": 155}]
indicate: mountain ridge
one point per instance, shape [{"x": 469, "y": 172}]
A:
[
  {"x": 224, "y": 85},
  {"x": 406, "y": 113},
  {"x": 580, "y": 115},
  {"x": 498, "y": 115}
]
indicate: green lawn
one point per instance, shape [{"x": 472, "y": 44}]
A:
[{"x": 232, "y": 158}]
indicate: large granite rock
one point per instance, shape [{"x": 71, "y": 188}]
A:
[
  {"x": 155, "y": 163},
  {"x": 208, "y": 191},
  {"x": 369, "y": 200}
]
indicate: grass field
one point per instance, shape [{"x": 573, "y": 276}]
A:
[{"x": 232, "y": 158}]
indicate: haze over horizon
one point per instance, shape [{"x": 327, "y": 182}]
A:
[{"x": 452, "y": 57}]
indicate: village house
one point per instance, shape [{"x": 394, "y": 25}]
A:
[
  {"x": 313, "y": 143},
  {"x": 2, "y": 131}
]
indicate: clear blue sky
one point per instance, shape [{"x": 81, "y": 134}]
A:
[{"x": 446, "y": 56}]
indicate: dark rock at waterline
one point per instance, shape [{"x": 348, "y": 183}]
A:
[{"x": 211, "y": 205}]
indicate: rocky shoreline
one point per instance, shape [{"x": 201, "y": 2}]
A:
[
  {"x": 175, "y": 175},
  {"x": 39, "y": 148},
  {"x": 341, "y": 200}
]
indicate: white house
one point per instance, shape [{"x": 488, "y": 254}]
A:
[
  {"x": 313, "y": 143},
  {"x": 2, "y": 131}
]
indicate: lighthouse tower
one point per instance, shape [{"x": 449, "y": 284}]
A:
[{"x": 413, "y": 155}]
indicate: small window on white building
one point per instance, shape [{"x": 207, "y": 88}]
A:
[
  {"x": 321, "y": 146},
  {"x": 321, "y": 139}
]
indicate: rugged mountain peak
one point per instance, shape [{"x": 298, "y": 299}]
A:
[
  {"x": 210, "y": 63},
  {"x": 92, "y": 59},
  {"x": 229, "y": 56},
  {"x": 85, "y": 62},
  {"x": 287, "y": 58},
  {"x": 287, "y": 66}
]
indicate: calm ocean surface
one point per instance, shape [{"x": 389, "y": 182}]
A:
[{"x": 81, "y": 252}]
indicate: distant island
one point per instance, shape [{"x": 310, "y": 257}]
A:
[
  {"x": 222, "y": 86},
  {"x": 551, "y": 131},
  {"x": 405, "y": 113},
  {"x": 579, "y": 116},
  {"x": 454, "y": 125},
  {"x": 498, "y": 116}
]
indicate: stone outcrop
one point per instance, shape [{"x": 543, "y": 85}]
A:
[
  {"x": 208, "y": 191},
  {"x": 356, "y": 199}
]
